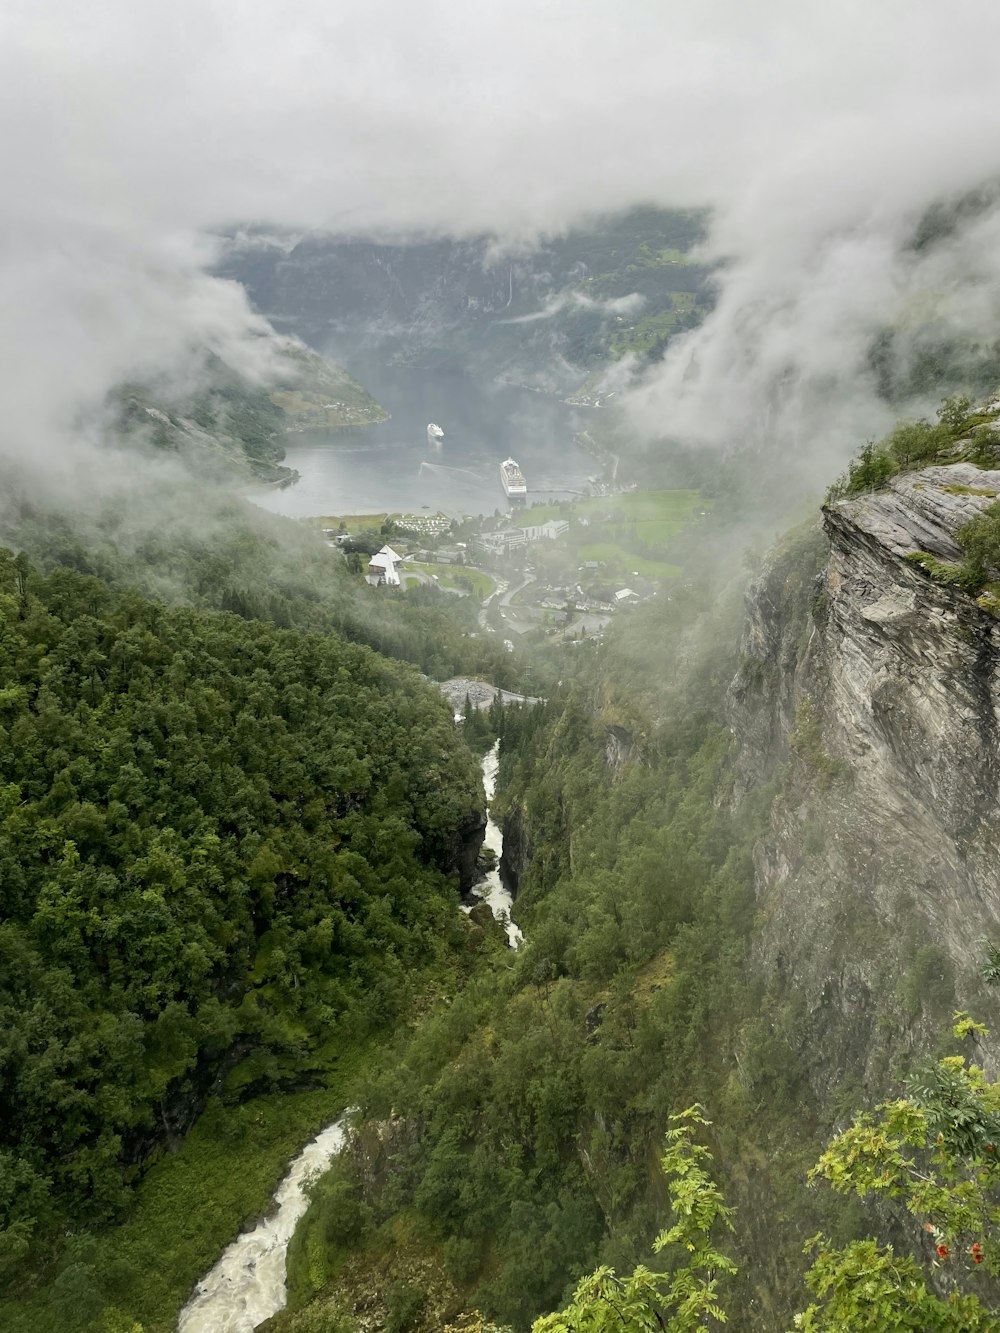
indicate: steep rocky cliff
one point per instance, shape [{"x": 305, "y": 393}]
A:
[
  {"x": 462, "y": 851},
  {"x": 870, "y": 693}
]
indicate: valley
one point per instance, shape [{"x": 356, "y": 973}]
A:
[
  {"x": 499, "y": 668},
  {"x": 739, "y": 806}
]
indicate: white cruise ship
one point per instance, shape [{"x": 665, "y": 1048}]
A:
[
  {"x": 434, "y": 434},
  {"x": 513, "y": 479}
]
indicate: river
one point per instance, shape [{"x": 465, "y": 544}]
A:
[
  {"x": 392, "y": 467},
  {"x": 248, "y": 1284}
]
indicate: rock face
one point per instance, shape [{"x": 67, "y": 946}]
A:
[
  {"x": 870, "y": 694},
  {"x": 922, "y": 511},
  {"x": 618, "y": 746},
  {"x": 463, "y": 851},
  {"x": 516, "y": 856}
]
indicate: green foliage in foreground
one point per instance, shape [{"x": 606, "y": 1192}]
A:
[
  {"x": 961, "y": 432},
  {"x": 933, "y": 1152},
  {"x": 679, "y": 1300},
  {"x": 219, "y": 842}
]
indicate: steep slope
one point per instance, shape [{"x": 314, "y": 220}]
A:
[
  {"x": 224, "y": 423},
  {"x": 776, "y": 917},
  {"x": 224, "y": 848},
  {"x": 875, "y": 689},
  {"x": 547, "y": 317}
]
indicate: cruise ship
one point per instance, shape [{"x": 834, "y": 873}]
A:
[
  {"x": 513, "y": 479},
  {"x": 434, "y": 434}
]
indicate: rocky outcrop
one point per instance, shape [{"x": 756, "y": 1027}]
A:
[
  {"x": 516, "y": 855},
  {"x": 922, "y": 511},
  {"x": 871, "y": 694},
  {"x": 462, "y": 855}
]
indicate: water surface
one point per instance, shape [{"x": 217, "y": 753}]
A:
[{"x": 392, "y": 466}]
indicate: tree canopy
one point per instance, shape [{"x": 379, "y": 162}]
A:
[{"x": 218, "y": 841}]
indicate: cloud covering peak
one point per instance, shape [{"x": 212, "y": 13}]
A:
[{"x": 816, "y": 134}]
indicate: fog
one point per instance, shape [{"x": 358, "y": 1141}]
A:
[{"x": 818, "y": 136}]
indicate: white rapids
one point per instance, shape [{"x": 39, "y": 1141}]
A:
[
  {"x": 491, "y": 890},
  {"x": 247, "y": 1285}
]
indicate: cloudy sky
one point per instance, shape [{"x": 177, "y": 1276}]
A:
[{"x": 816, "y": 133}]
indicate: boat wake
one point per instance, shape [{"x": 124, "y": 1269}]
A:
[{"x": 445, "y": 467}]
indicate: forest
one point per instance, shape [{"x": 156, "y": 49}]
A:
[
  {"x": 224, "y": 848},
  {"x": 229, "y": 837}
]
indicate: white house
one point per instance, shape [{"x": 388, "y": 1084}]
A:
[{"x": 382, "y": 567}]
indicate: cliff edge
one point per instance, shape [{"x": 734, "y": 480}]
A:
[{"x": 870, "y": 694}]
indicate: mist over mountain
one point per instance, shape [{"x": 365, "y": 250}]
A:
[
  {"x": 549, "y": 316},
  {"x": 575, "y": 878},
  {"x": 815, "y": 153}
]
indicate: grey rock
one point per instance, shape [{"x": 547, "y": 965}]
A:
[{"x": 871, "y": 695}]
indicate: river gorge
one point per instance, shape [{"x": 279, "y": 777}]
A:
[{"x": 248, "y": 1284}]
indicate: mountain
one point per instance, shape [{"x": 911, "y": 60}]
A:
[
  {"x": 227, "y": 853},
  {"x": 222, "y": 421},
  {"x": 554, "y": 317}
]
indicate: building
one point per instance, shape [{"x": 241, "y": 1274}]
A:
[
  {"x": 383, "y": 567},
  {"x": 555, "y": 527},
  {"x": 626, "y": 597},
  {"x": 501, "y": 542}
]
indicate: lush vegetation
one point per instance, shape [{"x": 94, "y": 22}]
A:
[
  {"x": 543, "y": 1087},
  {"x": 932, "y": 1152},
  {"x": 524, "y": 1117},
  {"x": 210, "y": 551},
  {"x": 961, "y": 432},
  {"x": 223, "y": 848}
]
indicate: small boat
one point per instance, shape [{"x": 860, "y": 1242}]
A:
[{"x": 434, "y": 435}]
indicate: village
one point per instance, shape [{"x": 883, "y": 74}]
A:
[{"x": 558, "y": 573}]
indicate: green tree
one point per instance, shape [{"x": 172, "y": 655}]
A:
[
  {"x": 934, "y": 1153},
  {"x": 684, "y": 1300}
]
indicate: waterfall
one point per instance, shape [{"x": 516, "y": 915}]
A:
[{"x": 247, "y": 1285}]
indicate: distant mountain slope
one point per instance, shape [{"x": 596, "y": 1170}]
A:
[
  {"x": 228, "y": 422},
  {"x": 549, "y": 317}
]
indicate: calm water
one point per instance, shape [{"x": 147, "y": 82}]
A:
[{"x": 393, "y": 467}]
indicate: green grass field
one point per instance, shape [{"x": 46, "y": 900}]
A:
[
  {"x": 622, "y": 563},
  {"x": 627, "y": 509},
  {"x": 651, "y": 517},
  {"x": 456, "y": 576},
  {"x": 351, "y": 522}
]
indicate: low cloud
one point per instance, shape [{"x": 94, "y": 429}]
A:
[
  {"x": 817, "y": 136},
  {"x": 572, "y": 300}
]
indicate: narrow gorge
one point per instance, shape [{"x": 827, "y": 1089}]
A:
[{"x": 248, "y": 1284}]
